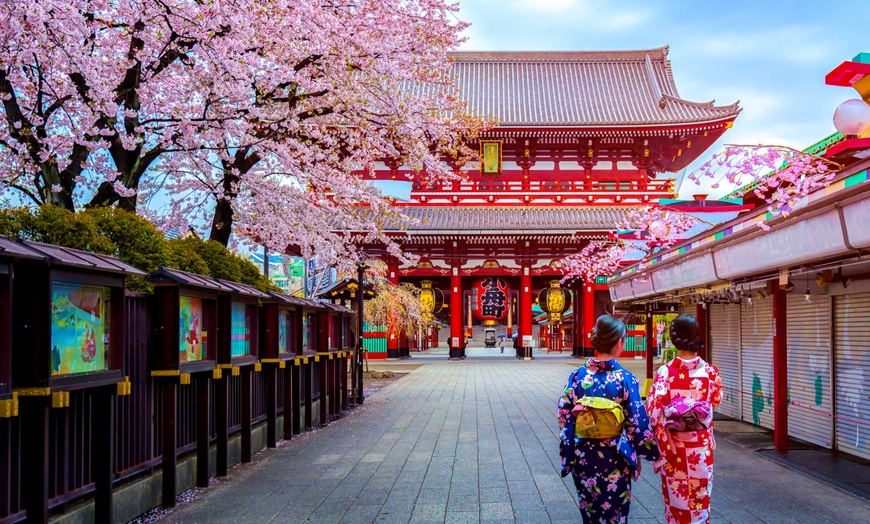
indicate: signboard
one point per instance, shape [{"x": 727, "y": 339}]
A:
[
  {"x": 455, "y": 342},
  {"x": 527, "y": 341}
]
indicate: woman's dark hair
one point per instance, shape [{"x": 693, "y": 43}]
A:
[
  {"x": 607, "y": 332},
  {"x": 685, "y": 334}
]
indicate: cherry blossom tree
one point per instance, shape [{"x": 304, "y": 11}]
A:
[
  {"x": 261, "y": 117},
  {"x": 778, "y": 175}
]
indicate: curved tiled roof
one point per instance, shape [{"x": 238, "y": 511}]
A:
[
  {"x": 494, "y": 219},
  {"x": 578, "y": 89}
]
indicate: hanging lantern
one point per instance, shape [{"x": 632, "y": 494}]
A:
[
  {"x": 431, "y": 298},
  {"x": 492, "y": 295},
  {"x": 554, "y": 300}
]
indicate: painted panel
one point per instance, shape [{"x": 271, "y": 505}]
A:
[
  {"x": 79, "y": 328},
  {"x": 803, "y": 241},
  {"x": 192, "y": 342},
  {"x": 852, "y": 364},
  {"x": 725, "y": 355},
  {"x": 756, "y": 361},
  {"x": 241, "y": 330},
  {"x": 642, "y": 286},
  {"x": 283, "y": 332}
]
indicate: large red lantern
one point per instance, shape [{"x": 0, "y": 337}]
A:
[{"x": 492, "y": 296}]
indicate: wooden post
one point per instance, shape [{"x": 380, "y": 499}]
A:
[
  {"x": 780, "y": 370},
  {"x": 102, "y": 460},
  {"x": 525, "y": 310},
  {"x": 170, "y": 445},
  {"x": 588, "y": 317},
  {"x": 342, "y": 372},
  {"x": 577, "y": 319},
  {"x": 703, "y": 328},
  {"x": 221, "y": 423},
  {"x": 308, "y": 391},
  {"x": 457, "y": 337},
  {"x": 360, "y": 325},
  {"x": 650, "y": 353},
  {"x": 246, "y": 413},
  {"x": 34, "y": 443},
  {"x": 291, "y": 408},
  {"x": 393, "y": 344},
  {"x": 271, "y": 376},
  {"x": 324, "y": 389},
  {"x": 203, "y": 414}
]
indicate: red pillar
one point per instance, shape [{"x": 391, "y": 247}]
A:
[
  {"x": 703, "y": 328},
  {"x": 588, "y": 316},
  {"x": 577, "y": 320},
  {"x": 650, "y": 354},
  {"x": 525, "y": 327},
  {"x": 456, "y": 310},
  {"x": 433, "y": 339},
  {"x": 780, "y": 371},
  {"x": 392, "y": 337}
]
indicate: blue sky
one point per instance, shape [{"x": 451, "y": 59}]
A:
[{"x": 770, "y": 55}]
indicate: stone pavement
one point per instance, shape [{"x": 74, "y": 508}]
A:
[{"x": 476, "y": 441}]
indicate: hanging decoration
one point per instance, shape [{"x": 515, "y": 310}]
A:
[
  {"x": 431, "y": 299},
  {"x": 554, "y": 300},
  {"x": 492, "y": 295}
]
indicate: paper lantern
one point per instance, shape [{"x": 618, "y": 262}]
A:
[
  {"x": 554, "y": 300},
  {"x": 492, "y": 296}
]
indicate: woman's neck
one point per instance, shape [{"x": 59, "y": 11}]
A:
[
  {"x": 688, "y": 355},
  {"x": 604, "y": 356}
]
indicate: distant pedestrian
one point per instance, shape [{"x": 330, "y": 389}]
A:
[
  {"x": 605, "y": 429},
  {"x": 501, "y": 344},
  {"x": 681, "y": 402}
]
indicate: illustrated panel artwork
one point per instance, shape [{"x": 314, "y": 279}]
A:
[
  {"x": 241, "y": 330},
  {"x": 283, "y": 330},
  {"x": 490, "y": 158},
  {"x": 192, "y": 342},
  {"x": 79, "y": 328}
]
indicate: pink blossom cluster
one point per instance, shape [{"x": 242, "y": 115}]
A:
[
  {"x": 596, "y": 259},
  {"x": 260, "y": 117},
  {"x": 657, "y": 226},
  {"x": 778, "y": 175}
]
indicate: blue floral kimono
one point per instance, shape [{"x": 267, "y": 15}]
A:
[{"x": 603, "y": 468}]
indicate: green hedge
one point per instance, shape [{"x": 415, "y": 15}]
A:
[{"x": 133, "y": 239}]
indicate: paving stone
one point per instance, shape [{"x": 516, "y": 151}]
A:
[{"x": 449, "y": 443}]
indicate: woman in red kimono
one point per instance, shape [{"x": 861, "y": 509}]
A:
[{"x": 680, "y": 405}]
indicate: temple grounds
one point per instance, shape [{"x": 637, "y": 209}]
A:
[{"x": 476, "y": 441}]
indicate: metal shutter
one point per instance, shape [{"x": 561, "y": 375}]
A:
[
  {"x": 756, "y": 361},
  {"x": 852, "y": 371},
  {"x": 809, "y": 369},
  {"x": 724, "y": 353}
]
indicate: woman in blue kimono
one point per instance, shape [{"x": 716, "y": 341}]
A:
[{"x": 603, "y": 468}]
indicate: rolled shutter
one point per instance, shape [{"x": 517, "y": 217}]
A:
[
  {"x": 724, "y": 353},
  {"x": 809, "y": 369},
  {"x": 756, "y": 360},
  {"x": 852, "y": 378}
]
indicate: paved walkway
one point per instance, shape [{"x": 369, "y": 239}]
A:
[{"x": 470, "y": 442}]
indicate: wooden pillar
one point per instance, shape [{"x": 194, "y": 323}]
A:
[
  {"x": 271, "y": 377},
  {"x": 103, "y": 460},
  {"x": 457, "y": 337},
  {"x": 203, "y": 412},
  {"x": 360, "y": 325},
  {"x": 650, "y": 354},
  {"x": 290, "y": 410},
  {"x": 170, "y": 444},
  {"x": 525, "y": 327},
  {"x": 221, "y": 423},
  {"x": 323, "y": 371},
  {"x": 780, "y": 370},
  {"x": 34, "y": 444},
  {"x": 577, "y": 319},
  {"x": 588, "y": 299},
  {"x": 393, "y": 344},
  {"x": 342, "y": 373},
  {"x": 296, "y": 401},
  {"x": 246, "y": 413},
  {"x": 703, "y": 328},
  {"x": 308, "y": 392}
]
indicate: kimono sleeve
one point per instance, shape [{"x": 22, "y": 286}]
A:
[
  {"x": 637, "y": 423},
  {"x": 715, "y": 386},
  {"x": 567, "y": 400}
]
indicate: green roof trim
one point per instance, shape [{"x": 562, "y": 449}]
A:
[
  {"x": 856, "y": 179},
  {"x": 814, "y": 149}
]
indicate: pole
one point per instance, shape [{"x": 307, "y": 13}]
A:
[
  {"x": 780, "y": 370},
  {"x": 357, "y": 355},
  {"x": 266, "y": 261},
  {"x": 650, "y": 353}
]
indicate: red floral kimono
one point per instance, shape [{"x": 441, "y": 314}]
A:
[{"x": 686, "y": 462}]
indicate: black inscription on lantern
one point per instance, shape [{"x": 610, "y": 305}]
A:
[{"x": 492, "y": 301}]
